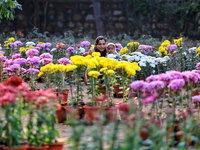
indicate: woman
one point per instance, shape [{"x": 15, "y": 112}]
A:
[{"x": 100, "y": 46}]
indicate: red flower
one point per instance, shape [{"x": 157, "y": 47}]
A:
[{"x": 13, "y": 81}]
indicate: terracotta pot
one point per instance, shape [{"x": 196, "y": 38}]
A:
[
  {"x": 61, "y": 114},
  {"x": 72, "y": 113},
  {"x": 46, "y": 147},
  {"x": 91, "y": 113},
  {"x": 56, "y": 146},
  {"x": 17, "y": 148},
  {"x": 111, "y": 114}
]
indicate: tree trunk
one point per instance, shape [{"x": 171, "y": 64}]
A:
[{"x": 97, "y": 17}]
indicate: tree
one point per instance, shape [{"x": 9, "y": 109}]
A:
[
  {"x": 7, "y": 9},
  {"x": 97, "y": 16}
]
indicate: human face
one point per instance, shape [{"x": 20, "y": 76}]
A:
[
  {"x": 101, "y": 46},
  {"x": 110, "y": 49}
]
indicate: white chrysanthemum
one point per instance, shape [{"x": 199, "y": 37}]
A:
[
  {"x": 111, "y": 56},
  {"x": 81, "y": 50},
  {"x": 192, "y": 50},
  {"x": 53, "y": 49},
  {"x": 30, "y": 44},
  {"x": 142, "y": 64}
]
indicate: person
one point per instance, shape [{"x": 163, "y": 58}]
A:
[
  {"x": 111, "y": 51},
  {"x": 100, "y": 46}
]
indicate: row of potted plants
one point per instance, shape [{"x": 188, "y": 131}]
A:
[{"x": 17, "y": 102}]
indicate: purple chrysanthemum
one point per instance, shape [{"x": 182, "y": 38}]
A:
[
  {"x": 196, "y": 98},
  {"x": 16, "y": 56},
  {"x": 64, "y": 61},
  {"x": 176, "y": 84},
  {"x": 198, "y": 66},
  {"x": 138, "y": 85},
  {"x": 46, "y": 55},
  {"x": 20, "y": 61},
  {"x": 15, "y": 67},
  {"x": 35, "y": 61},
  {"x": 46, "y": 61},
  {"x": 15, "y": 45},
  {"x": 150, "y": 99},
  {"x": 154, "y": 86},
  {"x": 172, "y": 47},
  {"x": 118, "y": 46},
  {"x": 85, "y": 44},
  {"x": 71, "y": 50},
  {"x": 3, "y": 58},
  {"x": 32, "y": 52},
  {"x": 32, "y": 71}
]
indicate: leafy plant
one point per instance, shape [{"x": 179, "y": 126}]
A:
[{"x": 7, "y": 9}]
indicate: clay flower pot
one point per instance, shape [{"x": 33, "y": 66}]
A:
[
  {"x": 56, "y": 146},
  {"x": 44, "y": 147},
  {"x": 91, "y": 113},
  {"x": 17, "y": 148}
]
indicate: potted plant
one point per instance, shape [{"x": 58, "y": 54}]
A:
[
  {"x": 11, "y": 104},
  {"x": 40, "y": 127}
]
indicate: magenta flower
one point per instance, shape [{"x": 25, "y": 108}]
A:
[
  {"x": 8, "y": 62},
  {"x": 198, "y": 66},
  {"x": 152, "y": 78},
  {"x": 64, "y": 61},
  {"x": 32, "y": 52},
  {"x": 171, "y": 48},
  {"x": 20, "y": 61},
  {"x": 138, "y": 85},
  {"x": 150, "y": 99},
  {"x": 175, "y": 74},
  {"x": 35, "y": 61},
  {"x": 15, "y": 56},
  {"x": 71, "y": 50},
  {"x": 196, "y": 98},
  {"x": 46, "y": 61},
  {"x": 15, "y": 67},
  {"x": 44, "y": 46},
  {"x": 118, "y": 47},
  {"x": 3, "y": 58},
  {"x": 146, "y": 49},
  {"x": 2, "y": 52},
  {"x": 191, "y": 76},
  {"x": 176, "y": 84},
  {"x": 32, "y": 71},
  {"x": 15, "y": 45},
  {"x": 154, "y": 86},
  {"x": 46, "y": 55},
  {"x": 85, "y": 44}
]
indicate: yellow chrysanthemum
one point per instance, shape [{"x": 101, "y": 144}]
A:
[
  {"x": 22, "y": 49},
  {"x": 77, "y": 60},
  {"x": 178, "y": 41},
  {"x": 103, "y": 69},
  {"x": 70, "y": 67},
  {"x": 40, "y": 74},
  {"x": 94, "y": 74},
  {"x": 130, "y": 44},
  {"x": 130, "y": 71},
  {"x": 96, "y": 54},
  {"x": 165, "y": 43},
  {"x": 40, "y": 42},
  {"x": 123, "y": 51},
  {"x": 198, "y": 50},
  {"x": 11, "y": 39},
  {"x": 109, "y": 72}
]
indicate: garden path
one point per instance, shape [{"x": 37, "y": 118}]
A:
[{"x": 65, "y": 131}]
